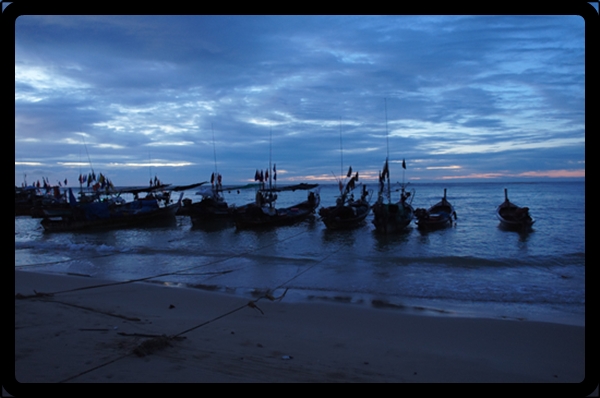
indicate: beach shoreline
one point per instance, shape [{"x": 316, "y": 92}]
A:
[
  {"x": 68, "y": 330},
  {"x": 406, "y": 305}
]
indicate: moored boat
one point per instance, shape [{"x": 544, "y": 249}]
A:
[
  {"x": 211, "y": 207},
  {"x": 440, "y": 215},
  {"x": 104, "y": 210},
  {"x": 512, "y": 216},
  {"x": 347, "y": 213},
  {"x": 392, "y": 217},
  {"x": 27, "y": 199},
  {"x": 263, "y": 213}
]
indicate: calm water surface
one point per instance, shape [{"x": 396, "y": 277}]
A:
[{"x": 472, "y": 269}]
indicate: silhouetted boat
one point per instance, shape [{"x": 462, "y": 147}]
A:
[
  {"x": 27, "y": 199},
  {"x": 211, "y": 207},
  {"x": 440, "y": 215},
  {"x": 110, "y": 210},
  {"x": 263, "y": 213},
  {"x": 347, "y": 213},
  {"x": 512, "y": 216},
  {"x": 392, "y": 217}
]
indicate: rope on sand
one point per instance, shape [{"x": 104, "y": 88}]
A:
[{"x": 158, "y": 342}]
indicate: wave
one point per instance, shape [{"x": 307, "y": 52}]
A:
[
  {"x": 567, "y": 259},
  {"x": 71, "y": 247}
]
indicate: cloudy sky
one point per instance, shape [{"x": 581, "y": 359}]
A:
[{"x": 458, "y": 97}]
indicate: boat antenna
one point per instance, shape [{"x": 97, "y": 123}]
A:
[
  {"x": 341, "y": 151},
  {"x": 80, "y": 177},
  {"x": 150, "y": 167},
  {"x": 387, "y": 140},
  {"x": 88, "y": 154},
  {"x": 270, "y": 194},
  {"x": 403, "y": 171},
  {"x": 217, "y": 180},
  {"x": 341, "y": 160},
  {"x": 270, "y": 152},
  {"x": 214, "y": 149}
]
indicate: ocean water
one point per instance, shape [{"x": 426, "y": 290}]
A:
[{"x": 473, "y": 269}]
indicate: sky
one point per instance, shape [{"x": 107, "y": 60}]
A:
[{"x": 459, "y": 98}]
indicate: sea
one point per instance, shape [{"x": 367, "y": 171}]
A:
[{"x": 474, "y": 268}]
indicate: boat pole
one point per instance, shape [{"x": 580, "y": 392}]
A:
[
  {"x": 214, "y": 149},
  {"x": 270, "y": 153},
  {"x": 387, "y": 140},
  {"x": 340, "y": 184}
]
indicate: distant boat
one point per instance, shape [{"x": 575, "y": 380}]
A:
[
  {"x": 392, "y": 217},
  {"x": 110, "y": 210},
  {"x": 512, "y": 216},
  {"x": 440, "y": 215},
  {"x": 347, "y": 213}
]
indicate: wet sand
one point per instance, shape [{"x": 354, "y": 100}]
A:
[{"x": 147, "y": 333}]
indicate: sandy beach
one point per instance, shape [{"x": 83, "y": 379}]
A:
[{"x": 67, "y": 332}]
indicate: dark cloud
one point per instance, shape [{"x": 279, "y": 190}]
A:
[{"x": 460, "y": 91}]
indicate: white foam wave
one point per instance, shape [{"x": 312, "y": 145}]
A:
[{"x": 72, "y": 247}]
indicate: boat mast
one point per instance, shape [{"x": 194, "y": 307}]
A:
[
  {"x": 344, "y": 187},
  {"x": 341, "y": 151},
  {"x": 150, "y": 167},
  {"x": 215, "y": 187},
  {"x": 270, "y": 196},
  {"x": 89, "y": 160},
  {"x": 387, "y": 140},
  {"x": 80, "y": 176},
  {"x": 88, "y": 154},
  {"x": 270, "y": 153},
  {"x": 214, "y": 149}
]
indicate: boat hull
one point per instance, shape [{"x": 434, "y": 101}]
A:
[
  {"x": 206, "y": 210},
  {"x": 347, "y": 216},
  {"x": 514, "y": 217},
  {"x": 120, "y": 220},
  {"x": 255, "y": 216},
  {"x": 392, "y": 217},
  {"x": 25, "y": 206},
  {"x": 440, "y": 215}
]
